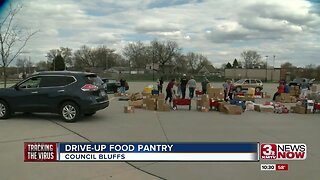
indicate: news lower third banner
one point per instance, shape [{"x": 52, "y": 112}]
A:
[{"x": 54, "y": 151}]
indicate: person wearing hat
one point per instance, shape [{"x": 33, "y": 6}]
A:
[{"x": 183, "y": 85}]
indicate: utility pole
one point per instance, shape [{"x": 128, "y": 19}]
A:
[{"x": 267, "y": 68}]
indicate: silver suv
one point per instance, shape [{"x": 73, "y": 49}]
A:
[{"x": 244, "y": 84}]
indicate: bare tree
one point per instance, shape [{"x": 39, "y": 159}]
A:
[
  {"x": 287, "y": 65},
  {"x": 84, "y": 57},
  {"x": 252, "y": 59},
  {"x": 192, "y": 61},
  {"x": 136, "y": 53},
  {"x": 21, "y": 64},
  {"x": 164, "y": 52},
  {"x": 12, "y": 39}
]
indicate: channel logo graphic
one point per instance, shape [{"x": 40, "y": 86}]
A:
[{"x": 274, "y": 151}]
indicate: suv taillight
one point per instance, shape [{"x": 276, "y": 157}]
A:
[{"x": 89, "y": 87}]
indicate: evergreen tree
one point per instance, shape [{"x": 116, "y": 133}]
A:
[
  {"x": 235, "y": 63},
  {"x": 228, "y": 66},
  {"x": 58, "y": 63}
]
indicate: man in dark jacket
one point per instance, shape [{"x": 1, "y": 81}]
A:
[{"x": 183, "y": 84}]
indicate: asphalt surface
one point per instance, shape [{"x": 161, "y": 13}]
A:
[{"x": 112, "y": 125}]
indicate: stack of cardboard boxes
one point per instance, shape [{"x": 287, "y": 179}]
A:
[
  {"x": 286, "y": 98},
  {"x": 305, "y": 107},
  {"x": 294, "y": 91},
  {"x": 203, "y": 103},
  {"x": 149, "y": 102},
  {"x": 215, "y": 93}
]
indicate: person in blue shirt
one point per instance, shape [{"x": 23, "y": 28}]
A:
[{"x": 286, "y": 88}]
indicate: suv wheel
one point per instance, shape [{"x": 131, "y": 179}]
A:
[
  {"x": 258, "y": 89},
  {"x": 4, "y": 110},
  {"x": 69, "y": 112},
  {"x": 238, "y": 89}
]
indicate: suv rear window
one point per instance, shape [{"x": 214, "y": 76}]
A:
[{"x": 94, "y": 79}]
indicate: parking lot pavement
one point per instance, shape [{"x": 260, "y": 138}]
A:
[{"x": 112, "y": 125}]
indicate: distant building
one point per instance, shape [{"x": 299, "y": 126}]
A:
[{"x": 273, "y": 74}]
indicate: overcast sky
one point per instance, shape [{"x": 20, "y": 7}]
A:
[{"x": 219, "y": 29}]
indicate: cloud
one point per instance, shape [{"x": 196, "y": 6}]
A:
[{"x": 219, "y": 29}]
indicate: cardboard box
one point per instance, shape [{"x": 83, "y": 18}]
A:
[
  {"x": 222, "y": 106},
  {"x": 293, "y": 109},
  {"x": 314, "y": 88},
  {"x": 136, "y": 96},
  {"x": 309, "y": 111},
  {"x": 293, "y": 99},
  {"x": 136, "y": 104},
  {"x": 161, "y": 96},
  {"x": 146, "y": 94},
  {"x": 151, "y": 104},
  {"x": 166, "y": 107},
  {"x": 300, "y": 109},
  {"x": 204, "y": 109},
  {"x": 199, "y": 104},
  {"x": 205, "y": 100},
  {"x": 128, "y": 109},
  {"x": 160, "y": 104},
  {"x": 263, "y": 108},
  {"x": 232, "y": 109},
  {"x": 245, "y": 98},
  {"x": 216, "y": 93}
]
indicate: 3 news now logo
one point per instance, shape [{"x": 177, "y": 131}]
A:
[{"x": 283, "y": 151}]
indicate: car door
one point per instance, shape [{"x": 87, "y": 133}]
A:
[
  {"x": 28, "y": 96},
  {"x": 253, "y": 83},
  {"x": 246, "y": 84},
  {"x": 54, "y": 90}
]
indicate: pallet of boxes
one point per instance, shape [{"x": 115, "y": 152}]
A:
[
  {"x": 217, "y": 94},
  {"x": 303, "y": 107},
  {"x": 155, "y": 102},
  {"x": 203, "y": 103},
  {"x": 135, "y": 101}
]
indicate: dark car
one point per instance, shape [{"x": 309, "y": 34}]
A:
[
  {"x": 113, "y": 85},
  {"x": 298, "y": 81},
  {"x": 70, "y": 94}
]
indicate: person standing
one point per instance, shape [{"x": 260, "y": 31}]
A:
[
  {"x": 225, "y": 90},
  {"x": 192, "y": 87},
  {"x": 204, "y": 85},
  {"x": 169, "y": 91},
  {"x": 122, "y": 85},
  {"x": 183, "y": 85},
  {"x": 230, "y": 88},
  {"x": 160, "y": 85},
  {"x": 304, "y": 89}
]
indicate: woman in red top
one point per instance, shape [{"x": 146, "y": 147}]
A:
[
  {"x": 280, "y": 90},
  {"x": 169, "y": 90}
]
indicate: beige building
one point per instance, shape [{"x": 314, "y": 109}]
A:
[{"x": 262, "y": 74}]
